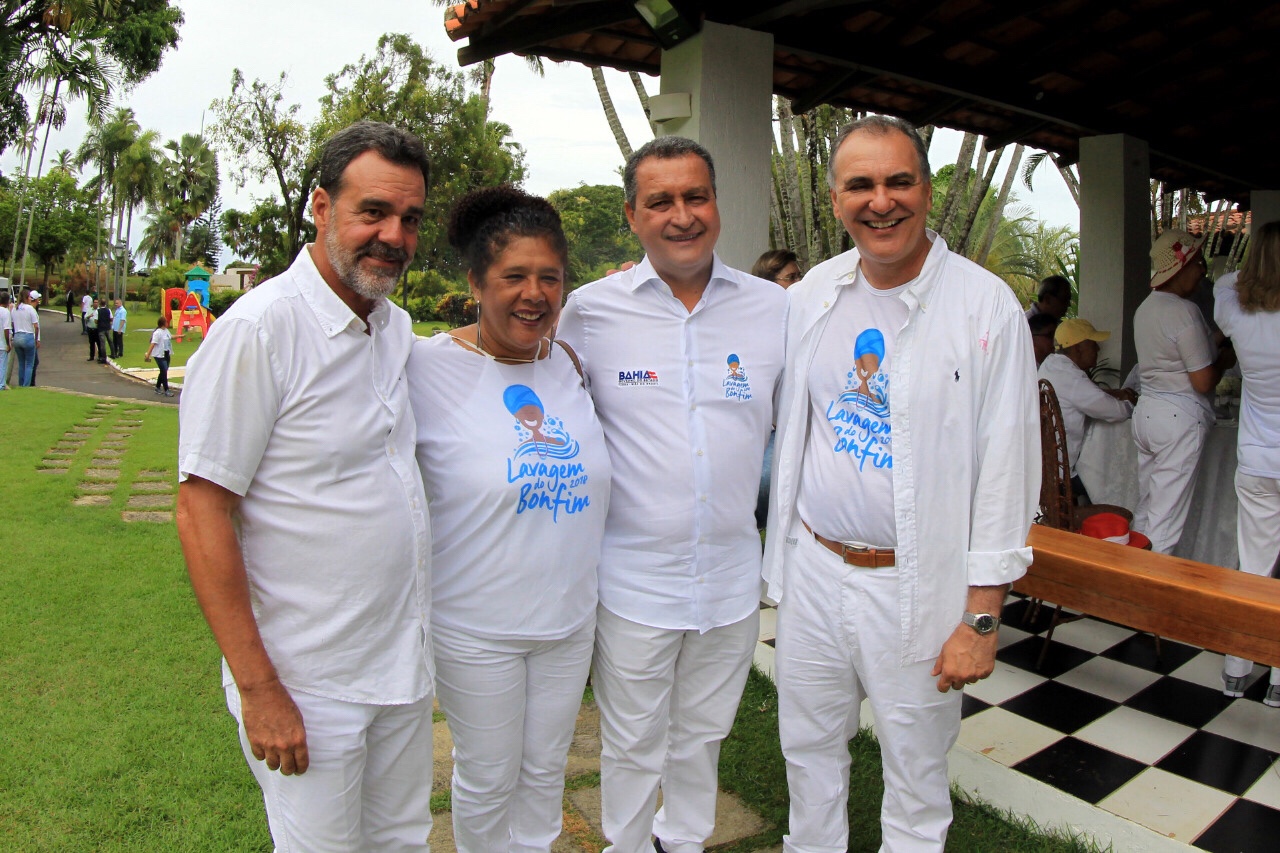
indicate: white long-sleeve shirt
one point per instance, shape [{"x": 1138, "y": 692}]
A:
[
  {"x": 686, "y": 399},
  {"x": 966, "y": 464},
  {"x": 1080, "y": 398}
]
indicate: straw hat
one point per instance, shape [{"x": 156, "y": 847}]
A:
[{"x": 1172, "y": 251}]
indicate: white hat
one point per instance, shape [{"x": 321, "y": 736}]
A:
[{"x": 1172, "y": 250}]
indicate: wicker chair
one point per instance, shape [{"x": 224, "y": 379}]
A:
[{"x": 1057, "y": 503}]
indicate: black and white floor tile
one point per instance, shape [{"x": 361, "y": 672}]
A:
[{"x": 1143, "y": 734}]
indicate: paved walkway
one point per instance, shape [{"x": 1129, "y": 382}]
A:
[{"x": 64, "y": 364}]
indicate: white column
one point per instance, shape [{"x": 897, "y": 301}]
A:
[
  {"x": 1115, "y": 239},
  {"x": 728, "y": 72}
]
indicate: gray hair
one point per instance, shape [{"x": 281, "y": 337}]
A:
[
  {"x": 391, "y": 143},
  {"x": 879, "y": 126},
  {"x": 663, "y": 148}
]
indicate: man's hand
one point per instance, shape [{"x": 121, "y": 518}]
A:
[
  {"x": 275, "y": 729},
  {"x": 967, "y": 658}
]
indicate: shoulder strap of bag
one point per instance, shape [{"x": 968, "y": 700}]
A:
[{"x": 573, "y": 356}]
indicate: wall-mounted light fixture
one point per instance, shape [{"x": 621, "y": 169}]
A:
[{"x": 671, "y": 25}]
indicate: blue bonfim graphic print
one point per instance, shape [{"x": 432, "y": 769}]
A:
[
  {"x": 860, "y": 415},
  {"x": 543, "y": 462}
]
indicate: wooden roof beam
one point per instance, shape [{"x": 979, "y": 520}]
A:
[
  {"x": 545, "y": 28},
  {"x": 837, "y": 80}
]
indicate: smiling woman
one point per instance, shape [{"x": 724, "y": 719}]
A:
[{"x": 517, "y": 474}]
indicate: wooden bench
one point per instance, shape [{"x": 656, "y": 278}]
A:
[{"x": 1208, "y": 606}]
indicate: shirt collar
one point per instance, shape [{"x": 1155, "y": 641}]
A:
[
  {"x": 331, "y": 312},
  {"x": 923, "y": 284},
  {"x": 644, "y": 272}
]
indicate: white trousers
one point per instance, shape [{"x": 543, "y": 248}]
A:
[
  {"x": 667, "y": 699},
  {"x": 368, "y": 786},
  {"x": 1258, "y": 539},
  {"x": 1169, "y": 443},
  {"x": 840, "y": 641},
  {"x": 511, "y": 706}
]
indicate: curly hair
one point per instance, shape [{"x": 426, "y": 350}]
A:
[
  {"x": 1258, "y": 287},
  {"x": 770, "y": 264},
  {"x": 484, "y": 221}
]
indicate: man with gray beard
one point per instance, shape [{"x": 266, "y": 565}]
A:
[{"x": 303, "y": 518}]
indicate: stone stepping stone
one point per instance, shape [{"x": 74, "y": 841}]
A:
[
  {"x": 52, "y": 470},
  {"x": 103, "y": 462},
  {"x": 54, "y": 463},
  {"x": 117, "y": 436},
  {"x": 153, "y": 486},
  {"x": 108, "y": 452},
  {"x": 97, "y": 488},
  {"x": 132, "y": 411},
  {"x": 142, "y": 501},
  {"x": 71, "y": 443},
  {"x": 153, "y": 517},
  {"x": 87, "y": 421},
  {"x": 102, "y": 474},
  {"x": 152, "y": 474},
  {"x": 92, "y": 500},
  {"x": 128, "y": 424},
  {"x": 119, "y": 445},
  {"x": 61, "y": 451}
]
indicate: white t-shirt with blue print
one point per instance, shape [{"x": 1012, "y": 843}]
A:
[{"x": 846, "y": 483}]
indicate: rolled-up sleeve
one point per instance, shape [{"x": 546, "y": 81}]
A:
[{"x": 1007, "y": 448}]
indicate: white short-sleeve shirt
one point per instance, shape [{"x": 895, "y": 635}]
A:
[
  {"x": 290, "y": 404},
  {"x": 517, "y": 478},
  {"x": 1172, "y": 339},
  {"x": 686, "y": 399},
  {"x": 1256, "y": 337}
]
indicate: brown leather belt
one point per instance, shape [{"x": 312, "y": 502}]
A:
[{"x": 855, "y": 555}]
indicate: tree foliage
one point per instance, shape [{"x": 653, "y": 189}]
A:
[
  {"x": 400, "y": 84},
  {"x": 65, "y": 222},
  {"x": 596, "y": 227},
  {"x": 132, "y": 34}
]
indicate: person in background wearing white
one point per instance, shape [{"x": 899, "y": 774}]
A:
[
  {"x": 1247, "y": 309},
  {"x": 303, "y": 519},
  {"x": 26, "y": 338},
  {"x": 683, "y": 356},
  {"x": 6, "y": 338},
  {"x": 86, "y": 307},
  {"x": 518, "y": 486},
  {"x": 161, "y": 349},
  {"x": 1079, "y": 397},
  {"x": 1177, "y": 368}
]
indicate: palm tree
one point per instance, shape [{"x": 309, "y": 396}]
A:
[
  {"x": 65, "y": 162},
  {"x": 107, "y": 140},
  {"x": 192, "y": 183},
  {"x": 156, "y": 245},
  {"x": 138, "y": 177},
  {"x": 67, "y": 59}
]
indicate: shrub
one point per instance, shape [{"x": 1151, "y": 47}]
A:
[
  {"x": 221, "y": 300},
  {"x": 456, "y": 309}
]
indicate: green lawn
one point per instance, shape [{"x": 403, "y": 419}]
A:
[{"x": 114, "y": 733}]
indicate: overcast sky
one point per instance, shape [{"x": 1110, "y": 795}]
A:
[{"x": 556, "y": 118}]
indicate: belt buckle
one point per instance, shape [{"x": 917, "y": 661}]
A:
[{"x": 867, "y": 556}]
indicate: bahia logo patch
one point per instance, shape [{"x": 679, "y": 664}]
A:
[{"x": 637, "y": 377}]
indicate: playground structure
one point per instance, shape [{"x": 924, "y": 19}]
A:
[{"x": 193, "y": 301}]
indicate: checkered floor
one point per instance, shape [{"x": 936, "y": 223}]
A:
[{"x": 1148, "y": 737}]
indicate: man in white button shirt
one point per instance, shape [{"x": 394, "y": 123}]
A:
[
  {"x": 303, "y": 518},
  {"x": 683, "y": 355},
  {"x": 1079, "y": 397},
  {"x": 906, "y": 471}
]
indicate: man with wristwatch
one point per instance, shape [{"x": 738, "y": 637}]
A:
[{"x": 906, "y": 473}]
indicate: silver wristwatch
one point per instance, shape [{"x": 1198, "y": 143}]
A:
[{"x": 983, "y": 623}]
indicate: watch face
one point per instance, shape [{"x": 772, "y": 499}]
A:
[{"x": 984, "y": 623}]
